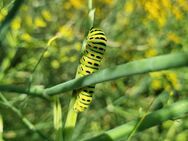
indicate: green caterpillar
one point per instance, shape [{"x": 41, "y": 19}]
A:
[{"x": 89, "y": 63}]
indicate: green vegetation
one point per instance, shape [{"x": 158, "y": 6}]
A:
[{"x": 141, "y": 91}]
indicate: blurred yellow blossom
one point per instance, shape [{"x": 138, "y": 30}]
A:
[
  {"x": 177, "y": 13},
  {"x": 78, "y": 4},
  {"x": 129, "y": 7},
  {"x": 47, "y": 15},
  {"x": 151, "y": 52},
  {"x": 64, "y": 59},
  {"x": 78, "y": 46},
  {"x": 66, "y": 31},
  {"x": 156, "y": 84},
  {"x": 73, "y": 58},
  {"x": 183, "y": 4},
  {"x": 16, "y": 23},
  {"x": 3, "y": 13},
  {"x": 152, "y": 41},
  {"x": 155, "y": 12},
  {"x": 166, "y": 4},
  {"x": 39, "y": 22},
  {"x": 26, "y": 37},
  {"x": 47, "y": 54},
  {"x": 55, "y": 64},
  {"x": 67, "y": 5},
  {"x": 172, "y": 77},
  {"x": 173, "y": 37},
  {"x": 109, "y": 2},
  {"x": 156, "y": 74}
]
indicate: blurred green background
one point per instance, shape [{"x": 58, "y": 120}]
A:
[{"x": 135, "y": 30}]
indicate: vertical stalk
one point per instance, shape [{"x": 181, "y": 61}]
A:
[
  {"x": 91, "y": 13},
  {"x": 70, "y": 122},
  {"x": 57, "y": 112},
  {"x": 1, "y": 128}
]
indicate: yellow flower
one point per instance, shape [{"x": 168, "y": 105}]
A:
[
  {"x": 39, "y": 22},
  {"x": 73, "y": 58},
  {"x": 152, "y": 41},
  {"x": 55, "y": 64},
  {"x": 173, "y": 37},
  {"x": 183, "y": 4},
  {"x": 166, "y": 3},
  {"x": 156, "y": 74},
  {"x": 151, "y": 52},
  {"x": 26, "y": 37},
  {"x": 78, "y": 4},
  {"x": 156, "y": 12},
  {"x": 177, "y": 13},
  {"x": 156, "y": 84},
  {"x": 16, "y": 23},
  {"x": 78, "y": 46},
  {"x": 66, "y": 31},
  {"x": 172, "y": 77},
  {"x": 47, "y": 15},
  {"x": 109, "y": 2},
  {"x": 129, "y": 7}
]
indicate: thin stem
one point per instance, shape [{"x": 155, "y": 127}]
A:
[
  {"x": 91, "y": 13},
  {"x": 28, "y": 124},
  {"x": 11, "y": 14},
  {"x": 172, "y": 112},
  {"x": 1, "y": 128}
]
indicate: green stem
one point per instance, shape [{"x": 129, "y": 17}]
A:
[
  {"x": 1, "y": 128},
  {"x": 91, "y": 13},
  {"x": 57, "y": 112},
  {"x": 70, "y": 122},
  {"x": 28, "y": 124},
  {"x": 6, "y": 22},
  {"x": 33, "y": 91},
  {"x": 172, "y": 112},
  {"x": 158, "y": 63}
]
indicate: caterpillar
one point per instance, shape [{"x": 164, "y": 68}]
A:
[{"x": 89, "y": 63}]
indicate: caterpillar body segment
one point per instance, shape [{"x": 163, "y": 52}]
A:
[{"x": 90, "y": 63}]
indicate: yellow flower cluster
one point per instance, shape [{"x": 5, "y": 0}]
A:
[
  {"x": 129, "y": 7},
  {"x": 160, "y": 10},
  {"x": 166, "y": 80},
  {"x": 67, "y": 32},
  {"x": 151, "y": 52},
  {"x": 173, "y": 37}
]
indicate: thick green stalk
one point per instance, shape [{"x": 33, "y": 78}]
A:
[
  {"x": 71, "y": 119},
  {"x": 158, "y": 63},
  {"x": 57, "y": 113},
  {"x": 70, "y": 122},
  {"x": 172, "y": 112}
]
